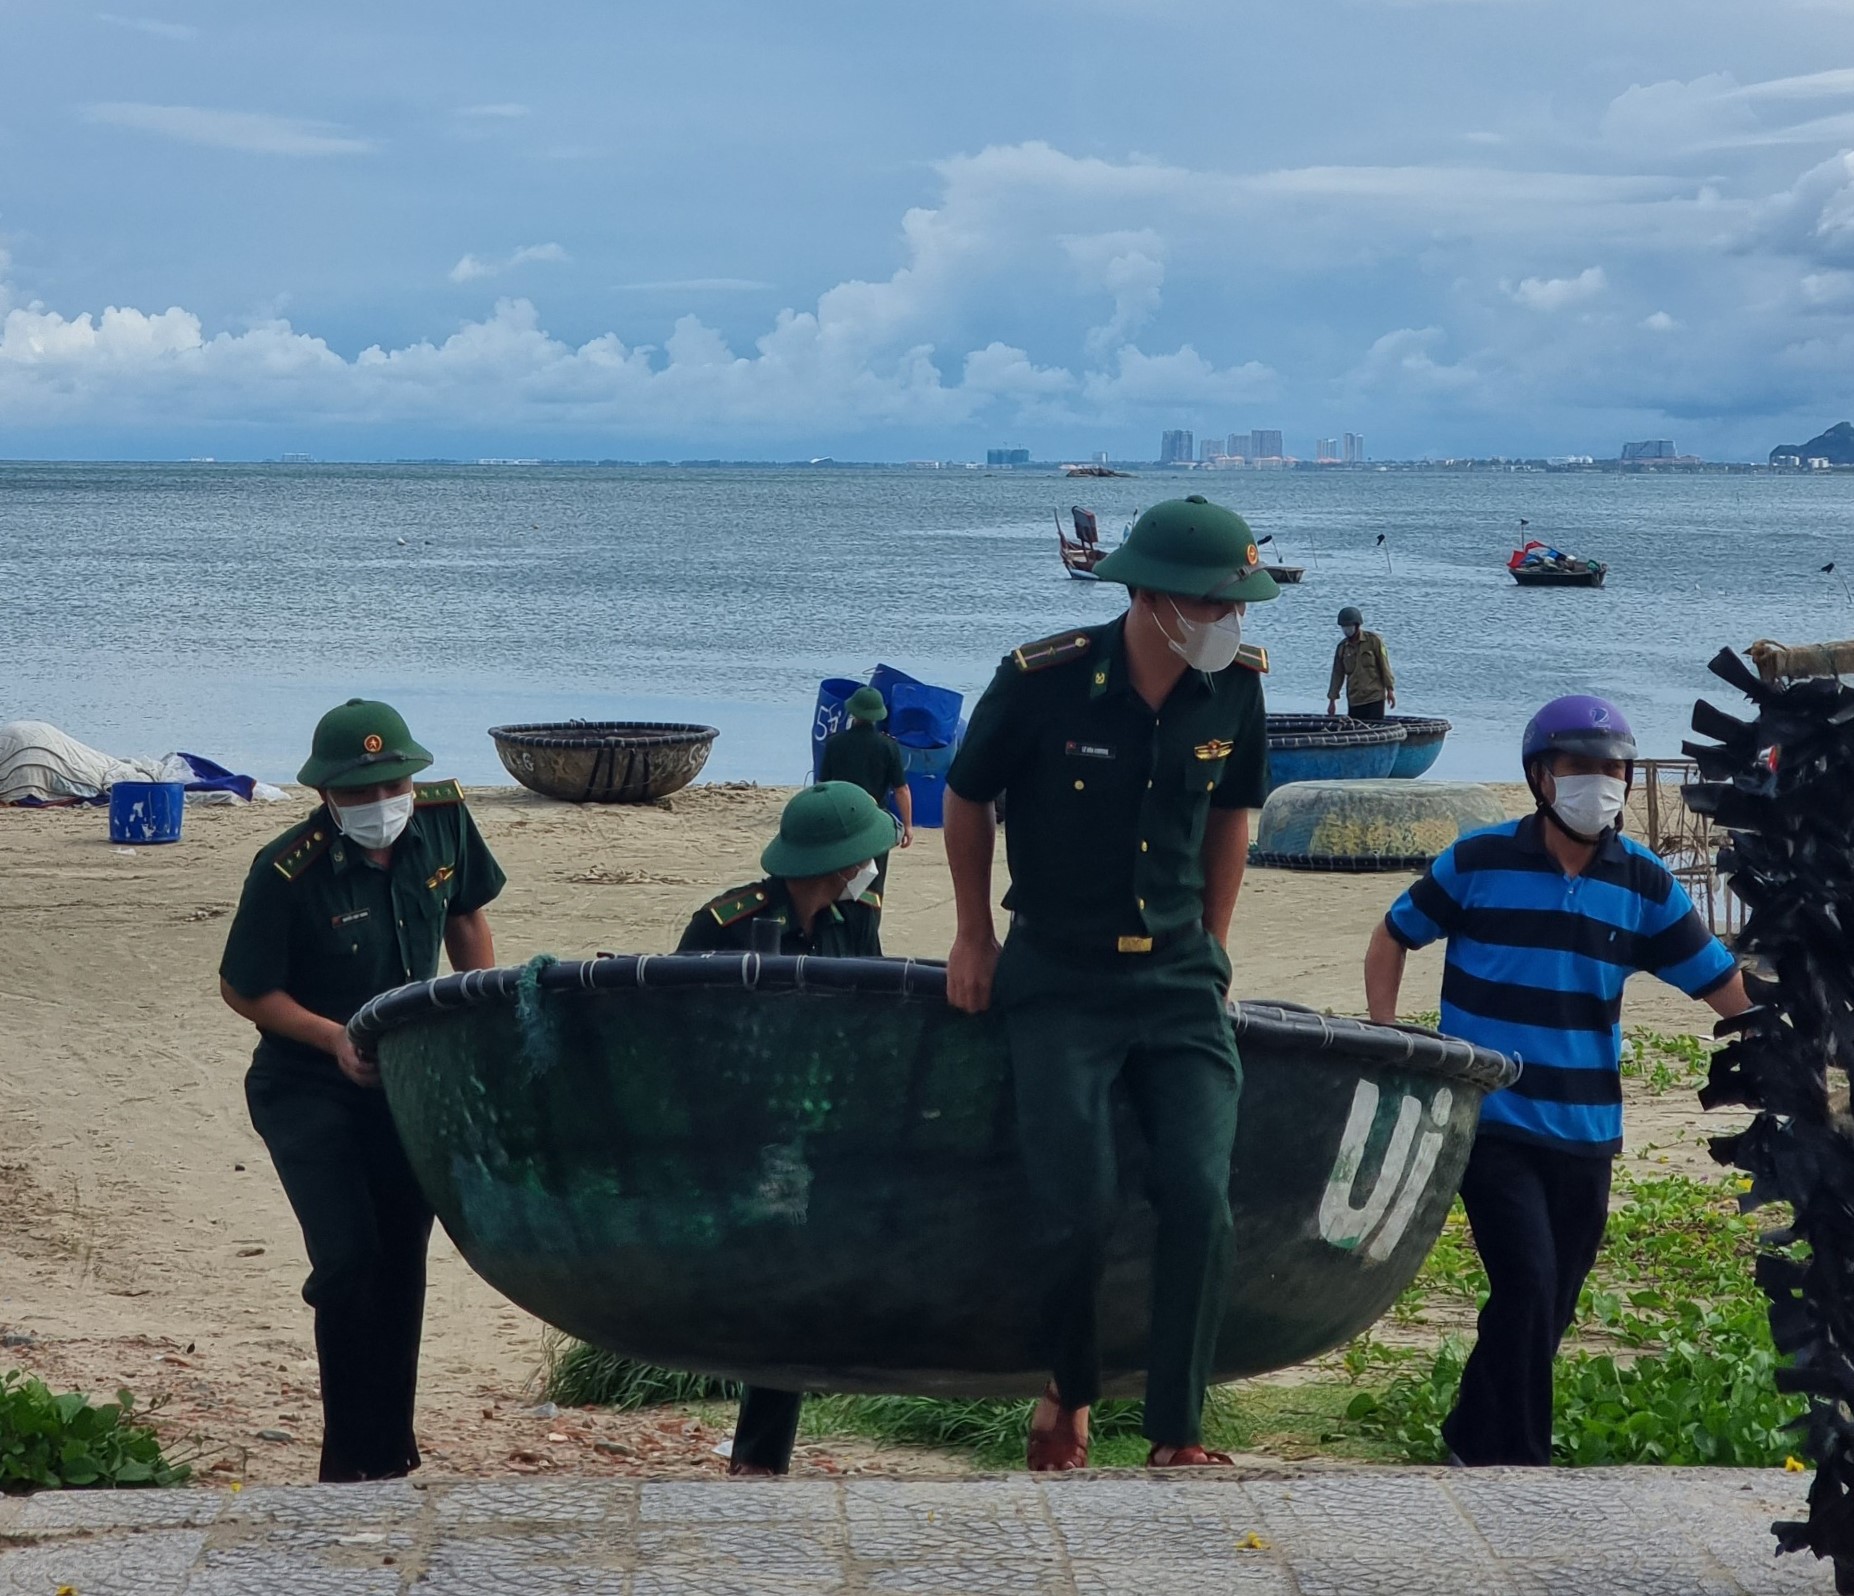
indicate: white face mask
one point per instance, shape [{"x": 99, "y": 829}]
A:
[
  {"x": 1206, "y": 645},
  {"x": 858, "y": 884},
  {"x": 1588, "y": 805},
  {"x": 1350, "y": 632},
  {"x": 375, "y": 825}
]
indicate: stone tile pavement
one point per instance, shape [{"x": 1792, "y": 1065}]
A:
[{"x": 1337, "y": 1532}]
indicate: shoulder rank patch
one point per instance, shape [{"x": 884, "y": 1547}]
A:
[
  {"x": 1047, "y": 651},
  {"x": 1253, "y": 657},
  {"x": 304, "y": 851},
  {"x": 732, "y": 907},
  {"x": 428, "y": 793},
  {"x": 873, "y": 899}
]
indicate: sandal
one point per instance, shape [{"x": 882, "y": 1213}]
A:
[
  {"x": 1185, "y": 1457},
  {"x": 1059, "y": 1447}
]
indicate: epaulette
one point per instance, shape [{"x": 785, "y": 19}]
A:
[
  {"x": 1048, "y": 651},
  {"x": 429, "y": 793},
  {"x": 304, "y": 851},
  {"x": 872, "y": 898},
  {"x": 1253, "y": 657},
  {"x": 732, "y": 907}
]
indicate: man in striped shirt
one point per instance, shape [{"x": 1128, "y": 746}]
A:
[{"x": 1545, "y": 919}]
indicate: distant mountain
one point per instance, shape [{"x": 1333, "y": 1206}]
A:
[{"x": 1836, "y": 446}]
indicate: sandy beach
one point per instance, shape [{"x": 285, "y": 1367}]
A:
[{"x": 144, "y": 1239}]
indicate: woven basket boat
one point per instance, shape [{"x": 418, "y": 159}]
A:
[
  {"x": 1330, "y": 748},
  {"x": 804, "y": 1172},
  {"x": 603, "y": 761}
]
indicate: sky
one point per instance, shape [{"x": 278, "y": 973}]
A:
[{"x": 727, "y": 228}]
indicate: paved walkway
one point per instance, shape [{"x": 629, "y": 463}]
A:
[{"x": 1352, "y": 1532}]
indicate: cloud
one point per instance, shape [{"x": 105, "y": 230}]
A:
[
  {"x": 472, "y": 267},
  {"x": 1715, "y": 113},
  {"x": 1660, "y": 321},
  {"x": 1128, "y": 266},
  {"x": 150, "y": 25},
  {"x": 1557, "y": 293},
  {"x": 696, "y": 285},
  {"x": 252, "y": 131},
  {"x": 501, "y": 111}
]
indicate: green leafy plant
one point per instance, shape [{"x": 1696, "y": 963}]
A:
[
  {"x": 49, "y": 1440},
  {"x": 1665, "y": 1062},
  {"x": 579, "y": 1376}
]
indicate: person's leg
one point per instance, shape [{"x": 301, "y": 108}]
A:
[
  {"x": 1577, "y": 1196},
  {"x": 765, "y": 1431},
  {"x": 308, "y": 1121},
  {"x": 1503, "y": 1411},
  {"x": 1185, "y": 1080},
  {"x": 403, "y": 1219},
  {"x": 1374, "y": 710}
]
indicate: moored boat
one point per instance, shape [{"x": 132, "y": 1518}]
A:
[
  {"x": 1082, "y": 553},
  {"x": 1538, "y": 564}
]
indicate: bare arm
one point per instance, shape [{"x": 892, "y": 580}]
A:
[
  {"x": 1226, "y": 853},
  {"x": 281, "y": 1015},
  {"x": 1384, "y": 961},
  {"x": 468, "y": 941},
  {"x": 971, "y": 838},
  {"x": 1731, "y": 998},
  {"x": 904, "y": 803}
]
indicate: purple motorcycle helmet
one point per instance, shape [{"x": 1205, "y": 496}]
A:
[{"x": 1577, "y": 724}]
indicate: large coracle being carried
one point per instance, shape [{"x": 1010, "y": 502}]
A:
[{"x": 804, "y": 1172}]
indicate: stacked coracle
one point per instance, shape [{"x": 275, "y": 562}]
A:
[{"x": 1783, "y": 785}]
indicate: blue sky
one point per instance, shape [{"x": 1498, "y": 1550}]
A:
[{"x": 872, "y": 231}]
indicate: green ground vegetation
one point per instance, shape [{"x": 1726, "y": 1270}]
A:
[
  {"x": 51, "y": 1439},
  {"x": 1670, "y": 1361}
]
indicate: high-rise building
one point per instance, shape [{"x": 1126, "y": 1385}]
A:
[
  {"x": 1209, "y": 449},
  {"x": 1354, "y": 448},
  {"x": 1265, "y": 445},
  {"x": 1176, "y": 446},
  {"x": 1007, "y": 457},
  {"x": 1651, "y": 449},
  {"x": 1238, "y": 446},
  {"x": 1326, "y": 450}
]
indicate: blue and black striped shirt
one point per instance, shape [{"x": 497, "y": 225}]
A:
[{"x": 1536, "y": 964}]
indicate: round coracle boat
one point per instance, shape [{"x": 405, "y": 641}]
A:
[
  {"x": 603, "y": 761},
  {"x": 1330, "y": 748},
  {"x": 1388, "y": 824},
  {"x": 1421, "y": 745},
  {"x": 804, "y": 1172}
]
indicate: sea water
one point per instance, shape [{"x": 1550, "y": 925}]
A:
[{"x": 221, "y": 609}]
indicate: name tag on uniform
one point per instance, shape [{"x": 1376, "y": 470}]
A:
[
  {"x": 1088, "y": 750},
  {"x": 350, "y": 917},
  {"x": 445, "y": 872},
  {"x": 1216, "y": 748}
]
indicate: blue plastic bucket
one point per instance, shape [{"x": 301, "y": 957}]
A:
[
  {"x": 831, "y": 714},
  {"x": 927, "y": 768},
  {"x": 920, "y": 715},
  {"x": 146, "y": 811}
]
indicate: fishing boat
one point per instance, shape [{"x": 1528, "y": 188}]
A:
[
  {"x": 1093, "y": 471},
  {"x": 1538, "y": 564},
  {"x": 1083, "y": 552},
  {"x": 805, "y": 1172}
]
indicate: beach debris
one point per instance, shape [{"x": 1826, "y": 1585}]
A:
[
  {"x": 282, "y": 1436},
  {"x": 1782, "y": 785},
  {"x": 546, "y": 1410},
  {"x": 616, "y": 876}
]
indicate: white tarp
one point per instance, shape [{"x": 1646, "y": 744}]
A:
[{"x": 37, "y": 761}]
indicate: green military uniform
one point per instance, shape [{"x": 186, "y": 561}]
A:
[
  {"x": 1108, "y": 971},
  {"x": 824, "y": 829},
  {"x": 1363, "y": 668},
  {"x": 319, "y": 921},
  {"x": 870, "y": 758}
]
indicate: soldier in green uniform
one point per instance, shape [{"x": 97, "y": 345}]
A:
[
  {"x": 1129, "y": 756},
  {"x": 873, "y": 760},
  {"x": 816, "y": 899},
  {"x": 355, "y": 900}
]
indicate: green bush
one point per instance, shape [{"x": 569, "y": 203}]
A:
[
  {"x": 51, "y": 1440},
  {"x": 579, "y": 1376}
]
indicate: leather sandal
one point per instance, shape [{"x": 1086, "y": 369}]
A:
[
  {"x": 1058, "y": 1448},
  {"x": 1186, "y": 1457}
]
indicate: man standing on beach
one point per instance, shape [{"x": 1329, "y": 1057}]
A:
[
  {"x": 353, "y": 901},
  {"x": 1129, "y": 756},
  {"x": 873, "y": 760},
  {"x": 817, "y": 898},
  {"x": 1545, "y": 919},
  {"x": 1362, "y": 667}
]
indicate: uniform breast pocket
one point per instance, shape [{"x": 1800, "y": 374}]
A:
[
  {"x": 1203, "y": 769},
  {"x": 352, "y": 934},
  {"x": 441, "y": 887}
]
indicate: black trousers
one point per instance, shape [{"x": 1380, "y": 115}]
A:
[
  {"x": 1371, "y": 711},
  {"x": 1537, "y": 1216},
  {"x": 366, "y": 1226},
  {"x": 767, "y": 1428}
]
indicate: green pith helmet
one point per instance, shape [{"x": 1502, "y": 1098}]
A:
[
  {"x": 827, "y": 827},
  {"x": 361, "y": 743},
  {"x": 1191, "y": 548},
  {"x": 866, "y": 704},
  {"x": 1351, "y": 616}
]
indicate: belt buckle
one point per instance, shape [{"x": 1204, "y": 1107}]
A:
[{"x": 1133, "y": 945}]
